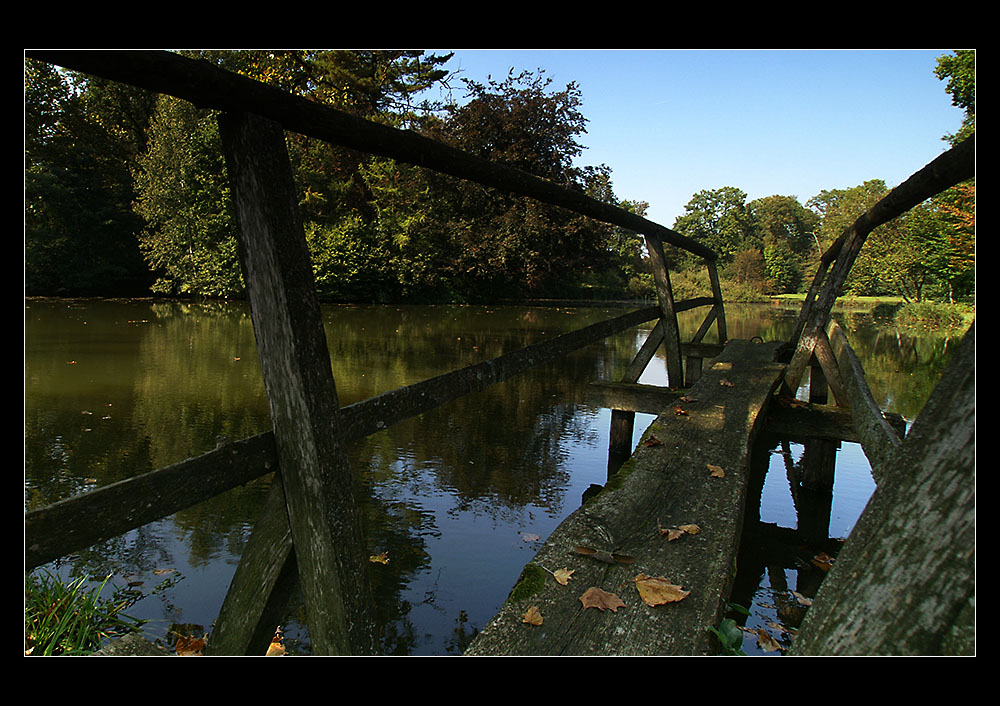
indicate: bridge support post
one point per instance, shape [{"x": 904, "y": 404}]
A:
[{"x": 316, "y": 482}]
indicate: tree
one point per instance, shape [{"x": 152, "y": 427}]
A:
[
  {"x": 719, "y": 219},
  {"x": 183, "y": 193},
  {"x": 507, "y": 245},
  {"x": 959, "y": 69},
  {"x": 958, "y": 204},
  {"x": 787, "y": 230},
  {"x": 79, "y": 226}
]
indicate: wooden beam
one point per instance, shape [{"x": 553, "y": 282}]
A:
[
  {"x": 665, "y": 296},
  {"x": 953, "y": 167},
  {"x": 877, "y": 436},
  {"x": 208, "y": 86},
  {"x": 295, "y": 362}
]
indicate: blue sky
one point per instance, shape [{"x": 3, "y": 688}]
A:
[{"x": 670, "y": 123}]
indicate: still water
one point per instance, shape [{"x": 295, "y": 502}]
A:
[{"x": 458, "y": 498}]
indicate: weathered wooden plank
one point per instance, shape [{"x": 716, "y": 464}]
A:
[
  {"x": 388, "y": 408},
  {"x": 876, "y": 435},
  {"x": 262, "y": 585},
  {"x": 665, "y": 297},
  {"x": 632, "y": 397},
  {"x": 905, "y": 581},
  {"x": 665, "y": 484},
  {"x": 797, "y": 420},
  {"x": 295, "y": 362},
  {"x": 77, "y": 523}
]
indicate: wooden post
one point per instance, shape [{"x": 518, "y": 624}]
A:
[
  {"x": 318, "y": 485},
  {"x": 622, "y": 421},
  {"x": 665, "y": 297}
]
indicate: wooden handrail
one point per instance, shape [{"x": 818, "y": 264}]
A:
[{"x": 209, "y": 86}]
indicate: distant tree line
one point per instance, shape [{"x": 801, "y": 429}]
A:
[{"x": 126, "y": 194}]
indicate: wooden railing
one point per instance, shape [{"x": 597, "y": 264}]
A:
[
  {"x": 822, "y": 345},
  {"x": 309, "y": 528}
]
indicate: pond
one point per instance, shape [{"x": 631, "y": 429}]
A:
[{"x": 458, "y": 498}]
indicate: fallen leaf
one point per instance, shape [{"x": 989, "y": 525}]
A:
[
  {"x": 652, "y": 441},
  {"x": 726, "y": 383},
  {"x": 529, "y": 537},
  {"x": 161, "y": 572},
  {"x": 685, "y": 398},
  {"x": 190, "y": 646},
  {"x": 680, "y": 411},
  {"x": 823, "y": 561},
  {"x": 765, "y": 641},
  {"x": 596, "y": 598},
  {"x": 563, "y": 575},
  {"x": 803, "y": 600},
  {"x": 532, "y": 617},
  {"x": 656, "y": 590},
  {"x": 672, "y": 533},
  {"x": 382, "y": 558},
  {"x": 276, "y": 649},
  {"x": 716, "y": 471}
]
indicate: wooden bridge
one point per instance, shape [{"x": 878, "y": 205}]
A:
[{"x": 691, "y": 468}]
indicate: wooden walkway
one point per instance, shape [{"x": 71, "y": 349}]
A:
[
  {"x": 669, "y": 482},
  {"x": 690, "y": 469}
]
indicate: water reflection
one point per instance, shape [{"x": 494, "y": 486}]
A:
[{"x": 458, "y": 498}]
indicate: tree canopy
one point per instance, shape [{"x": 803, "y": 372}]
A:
[{"x": 126, "y": 191}]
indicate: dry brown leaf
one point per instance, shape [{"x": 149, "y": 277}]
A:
[
  {"x": 765, "y": 641},
  {"x": 672, "y": 533},
  {"x": 716, "y": 471},
  {"x": 685, "y": 398},
  {"x": 532, "y": 617},
  {"x": 680, "y": 411},
  {"x": 276, "y": 649},
  {"x": 382, "y": 558},
  {"x": 823, "y": 561},
  {"x": 598, "y": 554},
  {"x": 803, "y": 600},
  {"x": 562, "y": 576},
  {"x": 596, "y": 598},
  {"x": 190, "y": 646},
  {"x": 652, "y": 441},
  {"x": 726, "y": 383},
  {"x": 656, "y": 590}
]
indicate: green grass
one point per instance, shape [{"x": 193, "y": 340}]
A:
[{"x": 70, "y": 619}]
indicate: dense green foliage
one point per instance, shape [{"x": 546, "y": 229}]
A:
[{"x": 126, "y": 192}]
